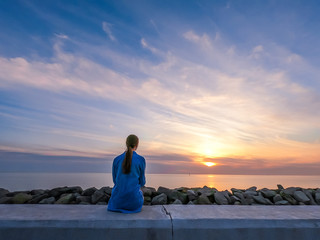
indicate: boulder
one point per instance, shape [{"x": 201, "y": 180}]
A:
[
  {"x": 250, "y": 193},
  {"x": 98, "y": 196},
  {"x": 49, "y": 200},
  {"x": 191, "y": 195},
  {"x": 3, "y": 192},
  {"x": 282, "y": 202},
  {"x": 65, "y": 198},
  {"x": 268, "y": 193},
  {"x": 56, "y": 192},
  {"x": 203, "y": 200},
  {"x": 84, "y": 203},
  {"x": 177, "y": 201},
  {"x": 5, "y": 200},
  {"x": 37, "y": 198},
  {"x": 290, "y": 190},
  {"x": 164, "y": 190},
  {"x": 147, "y": 200},
  {"x": 301, "y": 197},
  {"x": 147, "y": 192},
  {"x": 173, "y": 195},
  {"x": 260, "y": 199},
  {"x": 233, "y": 190},
  {"x": 80, "y": 199},
  {"x": 106, "y": 190},
  {"x": 21, "y": 198},
  {"x": 280, "y": 187},
  {"x": 309, "y": 195},
  {"x": 38, "y": 192},
  {"x": 190, "y": 203},
  {"x": 89, "y": 191},
  {"x": 101, "y": 203},
  {"x": 253, "y": 189},
  {"x": 289, "y": 198},
  {"x": 277, "y": 198},
  {"x": 317, "y": 197},
  {"x": 206, "y": 191},
  {"x": 220, "y": 198},
  {"x": 160, "y": 199}
]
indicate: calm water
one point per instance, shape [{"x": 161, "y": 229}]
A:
[{"x": 29, "y": 181}]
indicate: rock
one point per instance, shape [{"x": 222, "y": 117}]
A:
[
  {"x": 147, "y": 200},
  {"x": 173, "y": 195},
  {"x": 164, "y": 190},
  {"x": 289, "y": 198},
  {"x": 277, "y": 198},
  {"x": 80, "y": 199},
  {"x": 49, "y": 200},
  {"x": 5, "y": 200},
  {"x": 260, "y": 199},
  {"x": 191, "y": 195},
  {"x": 234, "y": 199},
  {"x": 65, "y": 198},
  {"x": 89, "y": 191},
  {"x": 21, "y": 198},
  {"x": 253, "y": 189},
  {"x": 282, "y": 202},
  {"x": 101, "y": 203},
  {"x": 203, "y": 200},
  {"x": 220, "y": 198},
  {"x": 182, "y": 189},
  {"x": 147, "y": 192},
  {"x": 237, "y": 203},
  {"x": 242, "y": 199},
  {"x": 38, "y": 192},
  {"x": 250, "y": 193},
  {"x": 56, "y": 192},
  {"x": 98, "y": 196},
  {"x": 317, "y": 197},
  {"x": 268, "y": 193},
  {"x": 3, "y": 192},
  {"x": 233, "y": 190},
  {"x": 106, "y": 190},
  {"x": 160, "y": 199},
  {"x": 190, "y": 203},
  {"x": 301, "y": 197},
  {"x": 206, "y": 191},
  {"x": 37, "y": 198},
  {"x": 177, "y": 201},
  {"x": 280, "y": 187},
  {"x": 309, "y": 195},
  {"x": 291, "y": 190},
  {"x": 301, "y": 203},
  {"x": 84, "y": 203},
  {"x": 75, "y": 189}
]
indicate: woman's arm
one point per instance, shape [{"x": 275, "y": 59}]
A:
[{"x": 142, "y": 178}]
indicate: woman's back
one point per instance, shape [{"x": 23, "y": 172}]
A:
[{"x": 126, "y": 195}]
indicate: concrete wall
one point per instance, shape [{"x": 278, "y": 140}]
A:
[{"x": 159, "y": 222}]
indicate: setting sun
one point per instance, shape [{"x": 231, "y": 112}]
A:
[{"x": 209, "y": 164}]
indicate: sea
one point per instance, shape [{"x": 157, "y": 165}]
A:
[{"x": 30, "y": 181}]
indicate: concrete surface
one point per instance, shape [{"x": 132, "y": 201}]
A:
[
  {"x": 245, "y": 222},
  {"x": 81, "y": 222},
  {"x": 159, "y": 222}
]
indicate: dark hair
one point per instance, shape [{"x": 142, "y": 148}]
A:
[{"x": 131, "y": 142}]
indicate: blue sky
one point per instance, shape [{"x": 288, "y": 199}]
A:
[{"x": 230, "y": 82}]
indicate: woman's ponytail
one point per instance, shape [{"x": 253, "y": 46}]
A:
[{"x": 132, "y": 142}]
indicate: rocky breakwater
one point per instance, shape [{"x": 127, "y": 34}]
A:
[{"x": 204, "y": 195}]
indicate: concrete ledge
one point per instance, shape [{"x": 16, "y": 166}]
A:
[{"x": 159, "y": 222}]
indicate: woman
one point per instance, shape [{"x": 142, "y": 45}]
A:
[{"x": 128, "y": 177}]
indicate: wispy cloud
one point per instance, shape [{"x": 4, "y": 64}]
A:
[{"x": 106, "y": 27}]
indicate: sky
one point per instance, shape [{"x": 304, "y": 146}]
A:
[{"x": 213, "y": 87}]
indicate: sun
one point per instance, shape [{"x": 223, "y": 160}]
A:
[{"x": 209, "y": 164}]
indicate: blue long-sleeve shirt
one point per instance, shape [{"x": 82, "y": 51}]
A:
[{"x": 126, "y": 194}]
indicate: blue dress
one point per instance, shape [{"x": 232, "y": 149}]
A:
[{"x": 126, "y": 196}]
